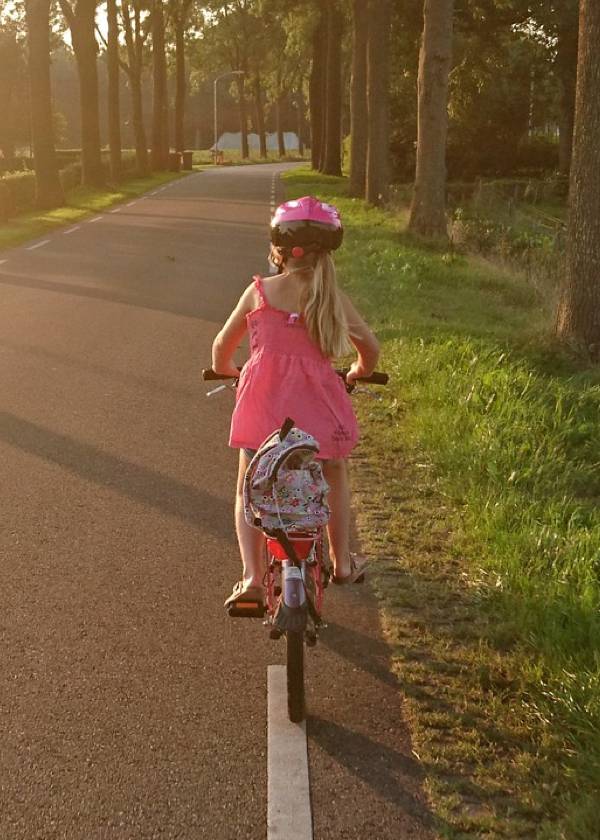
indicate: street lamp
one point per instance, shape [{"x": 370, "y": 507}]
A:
[{"x": 218, "y": 79}]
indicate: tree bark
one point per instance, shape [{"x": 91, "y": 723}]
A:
[
  {"x": 260, "y": 115},
  {"x": 82, "y": 23},
  {"x": 316, "y": 87},
  {"x": 428, "y": 210},
  {"x": 279, "y": 121},
  {"x": 378, "y": 130},
  {"x": 241, "y": 86},
  {"x": 160, "y": 110},
  {"x": 578, "y": 316},
  {"x": 300, "y": 124},
  {"x": 358, "y": 100},
  {"x": 48, "y": 188},
  {"x": 332, "y": 158},
  {"x": 114, "y": 105},
  {"x": 180, "y": 83},
  {"x": 566, "y": 67},
  {"x": 135, "y": 46}
]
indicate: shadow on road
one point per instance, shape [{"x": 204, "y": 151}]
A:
[
  {"x": 382, "y": 768},
  {"x": 134, "y": 481},
  {"x": 368, "y": 653}
]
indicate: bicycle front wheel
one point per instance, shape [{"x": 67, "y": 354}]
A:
[{"x": 295, "y": 675}]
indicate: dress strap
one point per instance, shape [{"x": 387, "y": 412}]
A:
[{"x": 261, "y": 292}]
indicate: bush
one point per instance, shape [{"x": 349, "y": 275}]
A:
[{"x": 18, "y": 193}]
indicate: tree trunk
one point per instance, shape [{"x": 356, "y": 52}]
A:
[
  {"x": 428, "y": 210},
  {"x": 332, "y": 159},
  {"x": 241, "y": 86},
  {"x": 566, "y": 68},
  {"x": 260, "y": 116},
  {"x": 160, "y": 111},
  {"x": 300, "y": 126},
  {"x": 83, "y": 34},
  {"x": 378, "y": 130},
  {"x": 279, "y": 120},
  {"x": 317, "y": 105},
  {"x": 114, "y": 105},
  {"x": 180, "y": 87},
  {"x": 578, "y": 316},
  {"x": 133, "y": 41},
  {"x": 358, "y": 101},
  {"x": 48, "y": 188}
]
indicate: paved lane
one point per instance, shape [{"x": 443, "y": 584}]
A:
[{"x": 130, "y": 706}]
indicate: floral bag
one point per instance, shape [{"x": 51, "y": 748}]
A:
[{"x": 284, "y": 488}]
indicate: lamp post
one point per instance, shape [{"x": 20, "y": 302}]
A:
[{"x": 218, "y": 79}]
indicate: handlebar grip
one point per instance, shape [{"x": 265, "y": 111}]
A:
[
  {"x": 376, "y": 378},
  {"x": 209, "y": 374}
]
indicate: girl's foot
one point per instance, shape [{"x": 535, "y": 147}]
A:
[
  {"x": 358, "y": 566},
  {"x": 243, "y": 592}
]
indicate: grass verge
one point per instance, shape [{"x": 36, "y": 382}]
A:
[
  {"x": 478, "y": 495},
  {"x": 81, "y": 202}
]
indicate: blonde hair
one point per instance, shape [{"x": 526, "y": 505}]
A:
[
  {"x": 324, "y": 311},
  {"x": 322, "y": 305}
]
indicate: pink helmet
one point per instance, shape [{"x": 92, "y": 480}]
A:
[{"x": 307, "y": 224}]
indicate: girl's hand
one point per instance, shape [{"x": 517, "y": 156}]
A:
[
  {"x": 227, "y": 370},
  {"x": 356, "y": 371}
]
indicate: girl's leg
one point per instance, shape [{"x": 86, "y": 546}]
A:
[
  {"x": 251, "y": 540},
  {"x": 338, "y": 528}
]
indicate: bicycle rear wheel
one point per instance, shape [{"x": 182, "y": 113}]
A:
[{"x": 295, "y": 675}]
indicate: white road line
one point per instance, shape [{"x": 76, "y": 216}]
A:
[
  {"x": 116, "y": 210},
  {"x": 153, "y": 193},
  {"x": 288, "y": 791},
  {"x": 131, "y": 203},
  {"x": 96, "y": 219},
  {"x": 72, "y": 230},
  {"x": 3, "y": 261},
  {"x": 38, "y": 245}
]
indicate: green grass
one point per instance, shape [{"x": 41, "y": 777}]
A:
[
  {"x": 479, "y": 492},
  {"x": 81, "y": 202}
]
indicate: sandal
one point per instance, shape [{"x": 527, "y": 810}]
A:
[
  {"x": 358, "y": 566},
  {"x": 250, "y": 594}
]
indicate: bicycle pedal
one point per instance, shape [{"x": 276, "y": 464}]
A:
[
  {"x": 246, "y": 609},
  {"x": 275, "y": 633}
]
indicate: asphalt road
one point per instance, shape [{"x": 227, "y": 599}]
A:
[{"x": 130, "y": 705}]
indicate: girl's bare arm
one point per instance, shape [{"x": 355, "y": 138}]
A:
[
  {"x": 230, "y": 336},
  {"x": 367, "y": 346}
]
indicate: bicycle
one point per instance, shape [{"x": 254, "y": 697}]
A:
[{"x": 296, "y": 577}]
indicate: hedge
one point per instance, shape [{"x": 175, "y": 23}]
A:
[{"x": 17, "y": 189}]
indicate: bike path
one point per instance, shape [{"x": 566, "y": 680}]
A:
[{"x": 131, "y": 706}]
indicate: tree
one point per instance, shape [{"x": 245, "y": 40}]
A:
[
  {"x": 358, "y": 100},
  {"x": 135, "y": 38},
  {"x": 378, "y": 45},
  {"x": 48, "y": 188},
  {"x": 160, "y": 104},
  {"x": 81, "y": 20},
  {"x": 331, "y": 163},
  {"x": 578, "y": 316},
  {"x": 428, "y": 210},
  {"x": 317, "y": 84},
  {"x": 180, "y": 10},
  {"x": 114, "y": 105}
]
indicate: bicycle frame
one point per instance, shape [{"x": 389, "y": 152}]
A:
[{"x": 294, "y": 590}]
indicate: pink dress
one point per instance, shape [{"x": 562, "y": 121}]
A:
[{"x": 287, "y": 375}]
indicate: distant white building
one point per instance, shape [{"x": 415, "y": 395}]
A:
[{"x": 233, "y": 140}]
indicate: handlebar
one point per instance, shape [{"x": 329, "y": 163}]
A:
[{"x": 376, "y": 378}]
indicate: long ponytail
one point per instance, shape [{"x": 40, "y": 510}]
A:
[{"x": 324, "y": 311}]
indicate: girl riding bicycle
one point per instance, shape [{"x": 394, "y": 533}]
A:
[{"x": 298, "y": 322}]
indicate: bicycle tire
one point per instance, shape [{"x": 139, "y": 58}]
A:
[{"x": 295, "y": 675}]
